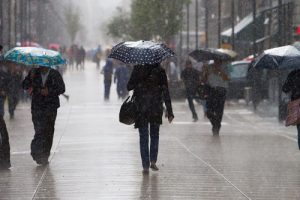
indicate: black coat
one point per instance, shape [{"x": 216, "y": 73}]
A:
[
  {"x": 55, "y": 85},
  {"x": 4, "y": 80},
  {"x": 150, "y": 87},
  {"x": 191, "y": 79},
  {"x": 292, "y": 84}
]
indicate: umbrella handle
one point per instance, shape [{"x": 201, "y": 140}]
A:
[{"x": 66, "y": 96}]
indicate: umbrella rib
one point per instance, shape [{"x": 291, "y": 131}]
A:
[
  {"x": 31, "y": 58},
  {"x": 275, "y": 61}
]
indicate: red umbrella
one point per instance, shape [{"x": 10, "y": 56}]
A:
[
  {"x": 29, "y": 44},
  {"x": 54, "y": 46}
]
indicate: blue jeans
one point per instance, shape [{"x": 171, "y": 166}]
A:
[
  {"x": 298, "y": 128},
  {"x": 144, "y": 144},
  {"x": 107, "y": 85}
]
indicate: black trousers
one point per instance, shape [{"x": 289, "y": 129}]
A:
[
  {"x": 4, "y": 144},
  {"x": 190, "y": 95},
  {"x": 215, "y": 106},
  {"x": 13, "y": 100},
  {"x": 43, "y": 122}
]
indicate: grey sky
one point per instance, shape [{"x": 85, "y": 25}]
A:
[{"x": 95, "y": 13}]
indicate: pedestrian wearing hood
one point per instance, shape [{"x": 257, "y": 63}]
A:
[
  {"x": 45, "y": 85},
  {"x": 292, "y": 85},
  {"x": 150, "y": 86}
]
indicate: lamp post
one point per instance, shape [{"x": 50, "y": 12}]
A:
[
  {"x": 29, "y": 19},
  {"x": 280, "y": 23},
  {"x": 232, "y": 24},
  {"x": 196, "y": 25},
  {"x": 9, "y": 24},
  {"x": 1, "y": 22},
  {"x": 188, "y": 27},
  {"x": 219, "y": 24},
  {"x": 254, "y": 29},
  {"x": 206, "y": 24}
]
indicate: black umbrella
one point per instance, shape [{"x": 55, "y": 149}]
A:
[
  {"x": 210, "y": 54},
  {"x": 141, "y": 52},
  {"x": 285, "y": 57}
]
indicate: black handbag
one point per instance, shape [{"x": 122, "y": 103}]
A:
[
  {"x": 203, "y": 91},
  {"x": 128, "y": 111}
]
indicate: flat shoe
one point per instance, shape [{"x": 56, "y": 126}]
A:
[
  {"x": 146, "y": 171},
  {"x": 154, "y": 167}
]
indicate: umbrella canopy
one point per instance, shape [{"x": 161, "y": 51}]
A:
[
  {"x": 297, "y": 45},
  {"x": 210, "y": 54},
  {"x": 34, "y": 56},
  {"x": 285, "y": 57},
  {"x": 229, "y": 52},
  {"x": 141, "y": 52}
]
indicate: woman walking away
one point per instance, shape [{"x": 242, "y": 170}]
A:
[
  {"x": 292, "y": 84},
  {"x": 150, "y": 86},
  {"x": 217, "y": 79},
  {"x": 191, "y": 79}
]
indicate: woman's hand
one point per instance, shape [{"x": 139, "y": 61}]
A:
[{"x": 170, "y": 118}]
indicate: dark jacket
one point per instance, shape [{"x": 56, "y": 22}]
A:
[
  {"x": 4, "y": 80},
  {"x": 292, "y": 84},
  {"x": 121, "y": 76},
  {"x": 150, "y": 87},
  {"x": 191, "y": 78},
  {"x": 108, "y": 70},
  {"x": 55, "y": 85},
  {"x": 14, "y": 84}
]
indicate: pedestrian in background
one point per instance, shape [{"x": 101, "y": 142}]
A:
[
  {"x": 1, "y": 53},
  {"x": 121, "y": 78},
  {"x": 191, "y": 79},
  {"x": 45, "y": 85},
  {"x": 217, "y": 79},
  {"x": 292, "y": 85},
  {"x": 97, "y": 56},
  {"x": 150, "y": 86},
  {"x": 82, "y": 55},
  {"x": 107, "y": 72},
  {"x": 14, "y": 85},
  {"x": 4, "y": 138}
]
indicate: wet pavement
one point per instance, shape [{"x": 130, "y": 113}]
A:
[{"x": 96, "y": 157}]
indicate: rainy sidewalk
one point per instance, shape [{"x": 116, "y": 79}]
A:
[{"x": 96, "y": 157}]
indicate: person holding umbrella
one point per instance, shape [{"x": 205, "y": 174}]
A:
[
  {"x": 292, "y": 85},
  {"x": 217, "y": 79},
  {"x": 285, "y": 58},
  {"x": 150, "y": 87},
  {"x": 45, "y": 85}
]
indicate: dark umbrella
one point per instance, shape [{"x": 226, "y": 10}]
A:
[
  {"x": 141, "y": 52},
  {"x": 209, "y": 54},
  {"x": 285, "y": 57}
]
